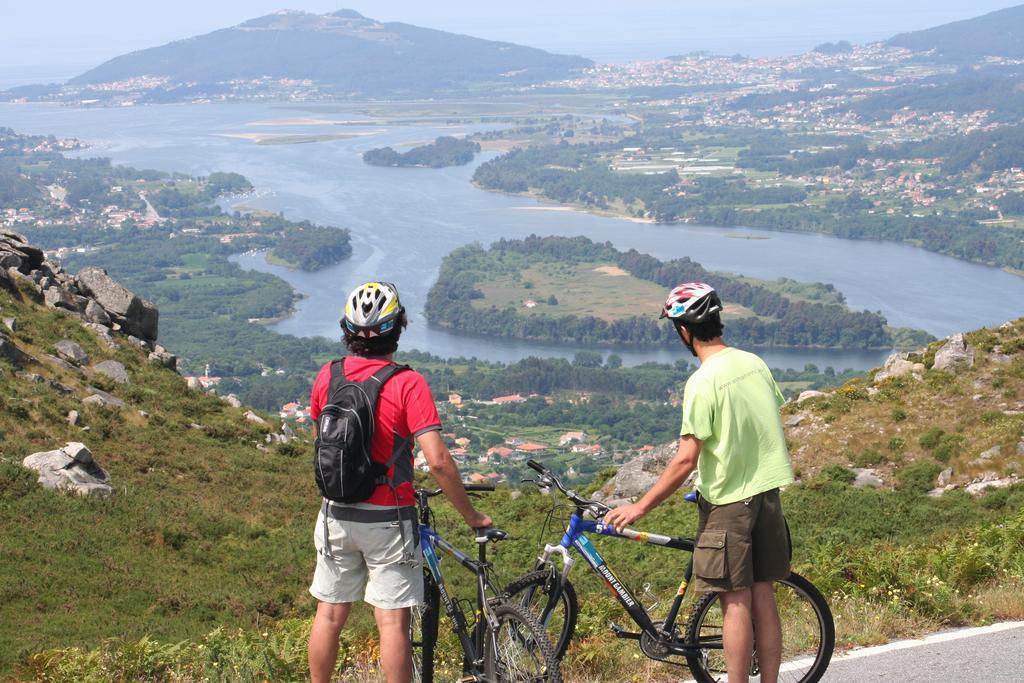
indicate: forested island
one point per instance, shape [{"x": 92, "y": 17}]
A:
[
  {"x": 573, "y": 289},
  {"x": 444, "y": 151},
  {"x": 311, "y": 247}
]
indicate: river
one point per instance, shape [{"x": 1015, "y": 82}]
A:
[{"x": 404, "y": 221}]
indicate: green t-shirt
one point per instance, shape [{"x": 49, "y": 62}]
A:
[{"x": 731, "y": 403}]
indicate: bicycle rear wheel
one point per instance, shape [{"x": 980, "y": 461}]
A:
[
  {"x": 517, "y": 649},
  {"x": 423, "y": 632},
  {"x": 533, "y": 592},
  {"x": 808, "y": 634}
]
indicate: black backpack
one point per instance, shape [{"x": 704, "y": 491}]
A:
[{"x": 342, "y": 464}]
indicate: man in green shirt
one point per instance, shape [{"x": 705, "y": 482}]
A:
[{"x": 732, "y": 435}]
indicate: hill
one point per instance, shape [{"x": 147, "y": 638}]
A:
[
  {"x": 195, "y": 567},
  {"x": 342, "y": 52},
  {"x": 996, "y": 34}
]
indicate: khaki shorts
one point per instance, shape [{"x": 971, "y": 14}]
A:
[
  {"x": 368, "y": 560},
  {"x": 741, "y": 543}
]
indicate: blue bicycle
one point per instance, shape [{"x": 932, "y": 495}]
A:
[
  {"x": 808, "y": 630},
  {"x": 504, "y": 644}
]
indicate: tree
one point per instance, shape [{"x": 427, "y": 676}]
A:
[
  {"x": 614, "y": 361},
  {"x": 552, "y": 301}
]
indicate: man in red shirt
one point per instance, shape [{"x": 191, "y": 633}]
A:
[{"x": 371, "y": 551}]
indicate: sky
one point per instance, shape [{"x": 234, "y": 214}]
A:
[{"x": 58, "y": 39}]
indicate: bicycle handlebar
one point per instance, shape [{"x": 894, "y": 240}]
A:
[
  {"x": 548, "y": 478},
  {"x": 470, "y": 488}
]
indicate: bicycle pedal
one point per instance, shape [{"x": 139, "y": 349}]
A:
[{"x": 620, "y": 632}]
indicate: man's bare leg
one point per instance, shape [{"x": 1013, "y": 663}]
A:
[
  {"x": 323, "y": 639},
  {"x": 768, "y": 629},
  {"x": 737, "y": 634},
  {"x": 395, "y": 649}
]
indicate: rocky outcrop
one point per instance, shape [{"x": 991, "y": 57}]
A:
[
  {"x": 898, "y": 365},
  {"x": 135, "y": 316},
  {"x": 71, "y": 468},
  {"x": 71, "y": 352},
  {"x": 114, "y": 370},
  {"x": 956, "y": 354},
  {"x": 636, "y": 476}
]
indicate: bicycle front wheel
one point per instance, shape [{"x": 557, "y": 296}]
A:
[
  {"x": 558, "y": 617},
  {"x": 808, "y": 635},
  {"x": 517, "y": 649},
  {"x": 423, "y": 632}
]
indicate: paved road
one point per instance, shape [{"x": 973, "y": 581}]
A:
[
  {"x": 993, "y": 654},
  {"x": 990, "y": 653}
]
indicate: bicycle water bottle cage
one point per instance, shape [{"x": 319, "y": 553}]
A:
[{"x": 491, "y": 534}]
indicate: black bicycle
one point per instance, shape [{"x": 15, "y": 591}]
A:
[
  {"x": 504, "y": 643},
  {"x": 808, "y": 631}
]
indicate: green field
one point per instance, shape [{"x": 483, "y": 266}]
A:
[{"x": 601, "y": 290}]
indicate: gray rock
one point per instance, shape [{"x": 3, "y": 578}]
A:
[
  {"x": 867, "y": 477},
  {"x": 635, "y": 477},
  {"x": 990, "y": 453},
  {"x": 809, "y": 394},
  {"x": 1020, "y": 448},
  {"x": 956, "y": 354},
  {"x": 72, "y": 418},
  {"x": 71, "y": 352},
  {"x": 10, "y": 260},
  {"x": 141, "y": 343},
  {"x": 70, "y": 468},
  {"x": 78, "y": 452},
  {"x": 164, "y": 359},
  {"x": 11, "y": 324},
  {"x": 114, "y": 370},
  {"x": 103, "y": 334},
  {"x": 1000, "y": 358},
  {"x": 137, "y": 317},
  {"x": 59, "y": 362},
  {"x": 945, "y": 476},
  {"x": 795, "y": 420},
  {"x": 101, "y": 398},
  {"x": 286, "y": 430},
  {"x": 94, "y": 313},
  {"x": 231, "y": 400},
  {"x": 10, "y": 351},
  {"x": 897, "y": 365},
  {"x": 56, "y": 297},
  {"x": 253, "y": 417},
  {"x": 990, "y": 481}
]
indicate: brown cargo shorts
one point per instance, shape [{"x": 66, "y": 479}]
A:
[{"x": 741, "y": 543}]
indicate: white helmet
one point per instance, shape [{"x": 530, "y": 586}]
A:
[{"x": 372, "y": 309}]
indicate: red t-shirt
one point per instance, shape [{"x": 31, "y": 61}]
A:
[{"x": 405, "y": 409}]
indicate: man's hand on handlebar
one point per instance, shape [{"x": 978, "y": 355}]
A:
[{"x": 623, "y": 516}]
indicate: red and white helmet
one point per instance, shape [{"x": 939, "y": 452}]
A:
[{"x": 691, "y": 302}]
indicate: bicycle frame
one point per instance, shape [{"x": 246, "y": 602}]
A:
[
  {"x": 575, "y": 538},
  {"x": 430, "y": 541}
]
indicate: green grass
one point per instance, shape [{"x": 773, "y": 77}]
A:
[{"x": 581, "y": 289}]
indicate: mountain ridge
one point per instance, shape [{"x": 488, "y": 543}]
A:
[
  {"x": 995, "y": 34},
  {"x": 342, "y": 51}
]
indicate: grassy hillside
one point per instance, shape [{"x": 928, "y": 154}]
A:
[{"x": 196, "y": 568}]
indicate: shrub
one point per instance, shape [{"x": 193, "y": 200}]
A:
[
  {"x": 930, "y": 439},
  {"x": 838, "y": 474},
  {"x": 918, "y": 477},
  {"x": 868, "y": 457},
  {"x": 897, "y": 443},
  {"x": 898, "y": 414}
]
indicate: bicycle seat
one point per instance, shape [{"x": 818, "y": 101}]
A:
[
  {"x": 691, "y": 496},
  {"x": 490, "y": 534}
]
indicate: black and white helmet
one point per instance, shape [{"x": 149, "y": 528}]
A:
[{"x": 372, "y": 309}]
